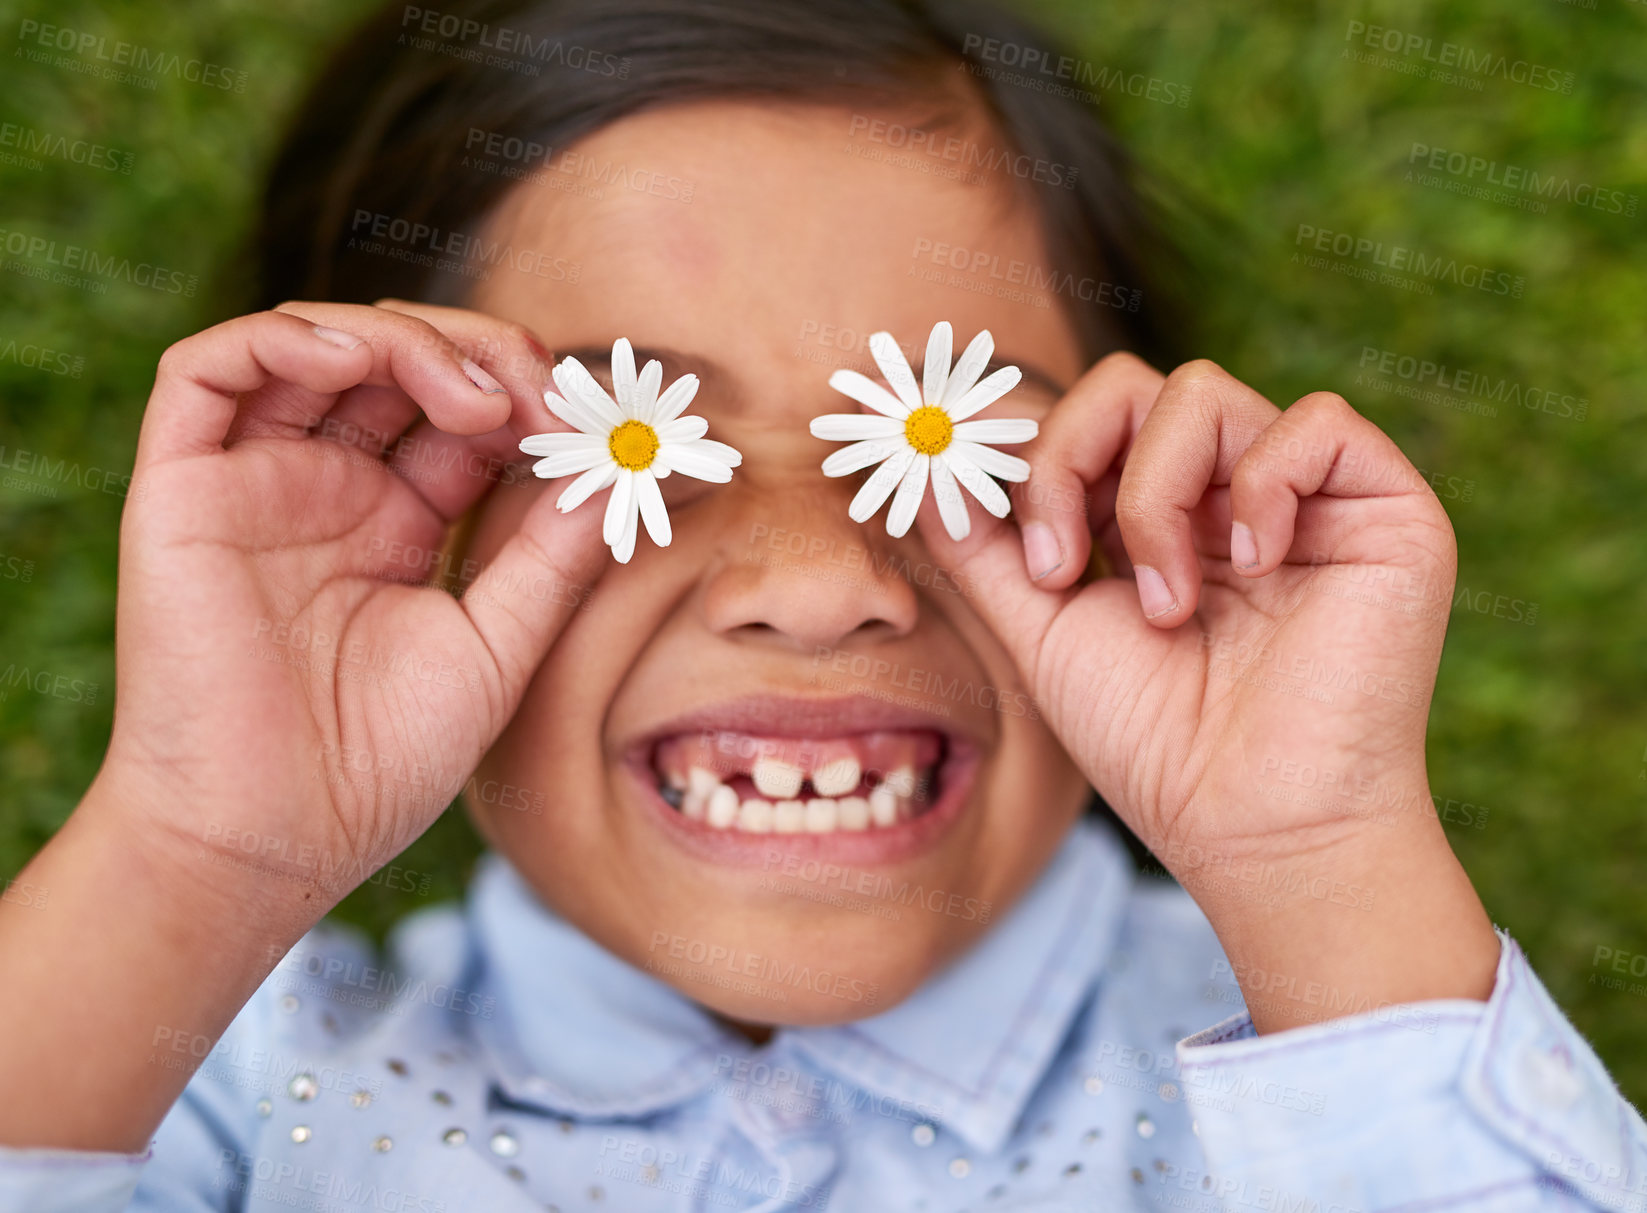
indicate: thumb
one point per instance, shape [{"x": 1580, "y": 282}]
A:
[
  {"x": 522, "y": 600},
  {"x": 989, "y": 566}
]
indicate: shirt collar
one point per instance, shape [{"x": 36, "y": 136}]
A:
[
  {"x": 972, "y": 1045},
  {"x": 586, "y": 1034}
]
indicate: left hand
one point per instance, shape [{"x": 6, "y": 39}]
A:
[{"x": 1186, "y": 686}]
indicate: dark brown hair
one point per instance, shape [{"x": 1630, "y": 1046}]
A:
[{"x": 385, "y": 129}]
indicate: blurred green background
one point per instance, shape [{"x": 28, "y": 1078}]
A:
[{"x": 1539, "y": 724}]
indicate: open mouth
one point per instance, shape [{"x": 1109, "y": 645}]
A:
[
  {"x": 852, "y": 779},
  {"x": 756, "y": 784}
]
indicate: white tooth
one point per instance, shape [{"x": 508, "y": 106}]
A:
[
  {"x": 821, "y": 815},
  {"x": 837, "y": 778},
  {"x": 674, "y": 779},
  {"x": 723, "y": 807},
  {"x": 788, "y": 817},
  {"x": 702, "y": 782},
  {"x": 776, "y": 778},
  {"x": 883, "y": 806},
  {"x": 693, "y": 805},
  {"x": 853, "y": 813},
  {"x": 902, "y": 781},
  {"x": 755, "y": 816}
]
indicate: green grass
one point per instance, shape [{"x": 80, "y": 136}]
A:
[{"x": 1541, "y": 724}]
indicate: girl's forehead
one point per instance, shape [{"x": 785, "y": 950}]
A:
[{"x": 771, "y": 240}]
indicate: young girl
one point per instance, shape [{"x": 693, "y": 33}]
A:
[{"x": 792, "y": 901}]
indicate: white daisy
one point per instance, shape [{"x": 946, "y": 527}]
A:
[
  {"x": 629, "y": 444},
  {"x": 920, "y": 434}
]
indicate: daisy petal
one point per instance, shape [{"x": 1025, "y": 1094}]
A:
[
  {"x": 854, "y": 427},
  {"x": 661, "y": 468},
  {"x": 624, "y": 548},
  {"x": 620, "y": 508},
  {"x": 951, "y": 505},
  {"x": 577, "y": 384},
  {"x": 623, "y": 376},
  {"x": 861, "y": 454},
  {"x": 910, "y": 491},
  {"x": 968, "y": 367},
  {"x": 867, "y": 392},
  {"x": 996, "y": 463},
  {"x": 564, "y": 463},
  {"x": 652, "y": 510},
  {"x": 586, "y": 486},
  {"x": 555, "y": 443},
  {"x": 890, "y": 359},
  {"x": 997, "y": 429},
  {"x": 688, "y": 460},
  {"x": 646, "y": 391},
  {"x": 684, "y": 429},
  {"x": 987, "y": 492},
  {"x": 674, "y": 401},
  {"x": 986, "y": 393},
  {"x": 575, "y": 415},
  {"x": 880, "y": 484},
  {"x": 935, "y": 374}
]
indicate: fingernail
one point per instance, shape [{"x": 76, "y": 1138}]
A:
[
  {"x": 337, "y": 337},
  {"x": 1243, "y": 546},
  {"x": 1042, "y": 553},
  {"x": 1153, "y": 594},
  {"x": 482, "y": 380}
]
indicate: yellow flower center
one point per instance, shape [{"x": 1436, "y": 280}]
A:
[
  {"x": 634, "y": 445},
  {"x": 929, "y": 429}
]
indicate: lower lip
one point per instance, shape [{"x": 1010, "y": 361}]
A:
[{"x": 863, "y": 848}]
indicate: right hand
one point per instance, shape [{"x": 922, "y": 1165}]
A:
[{"x": 292, "y": 708}]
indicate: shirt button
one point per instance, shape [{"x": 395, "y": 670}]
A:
[{"x": 923, "y": 1135}]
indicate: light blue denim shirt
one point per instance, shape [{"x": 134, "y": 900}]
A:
[{"x": 499, "y": 1061}]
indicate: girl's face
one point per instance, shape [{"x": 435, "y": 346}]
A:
[{"x": 758, "y": 246}]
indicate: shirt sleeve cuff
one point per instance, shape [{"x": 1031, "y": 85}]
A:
[
  {"x": 1464, "y": 1094},
  {"x": 67, "y": 1181}
]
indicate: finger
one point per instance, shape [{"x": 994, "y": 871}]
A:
[
  {"x": 199, "y": 380},
  {"x": 1202, "y": 422},
  {"x": 522, "y": 599},
  {"x": 437, "y": 375},
  {"x": 1080, "y": 440},
  {"x": 988, "y": 565},
  {"x": 1319, "y": 446},
  {"x": 451, "y": 471}
]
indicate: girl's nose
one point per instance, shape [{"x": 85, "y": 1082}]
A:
[{"x": 799, "y": 573}]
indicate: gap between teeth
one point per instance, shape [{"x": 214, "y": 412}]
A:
[{"x": 778, "y": 811}]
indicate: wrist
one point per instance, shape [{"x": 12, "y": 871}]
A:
[{"x": 1378, "y": 917}]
